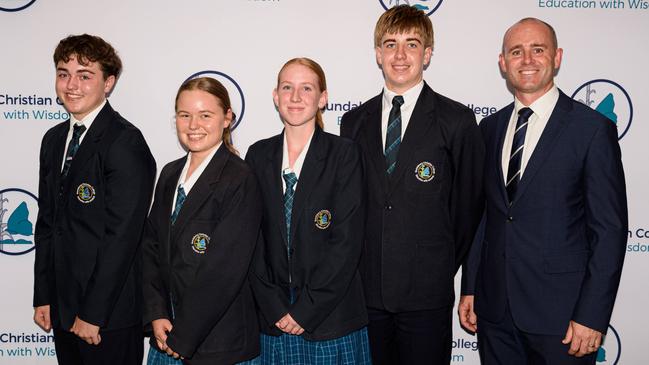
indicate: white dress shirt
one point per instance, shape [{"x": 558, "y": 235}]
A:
[
  {"x": 542, "y": 109},
  {"x": 409, "y": 100},
  {"x": 297, "y": 165},
  {"x": 188, "y": 182}
]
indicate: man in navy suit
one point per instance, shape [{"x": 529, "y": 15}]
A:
[
  {"x": 95, "y": 184},
  {"x": 543, "y": 272},
  {"x": 423, "y": 158}
]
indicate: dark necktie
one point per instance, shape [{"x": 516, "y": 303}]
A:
[
  {"x": 516, "y": 155},
  {"x": 290, "y": 179},
  {"x": 77, "y": 131},
  {"x": 393, "y": 134},
  {"x": 180, "y": 199}
]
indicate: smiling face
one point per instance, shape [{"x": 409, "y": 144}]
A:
[
  {"x": 530, "y": 59},
  {"x": 200, "y": 120},
  {"x": 402, "y": 57},
  {"x": 298, "y": 96},
  {"x": 81, "y": 88}
]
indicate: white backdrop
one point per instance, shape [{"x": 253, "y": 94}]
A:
[{"x": 245, "y": 42}]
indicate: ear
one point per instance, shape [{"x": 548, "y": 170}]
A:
[
  {"x": 108, "y": 84},
  {"x": 428, "y": 53},
  {"x": 228, "y": 118},
  {"x": 275, "y": 98},
  {"x": 501, "y": 63},
  {"x": 324, "y": 97},
  {"x": 379, "y": 55},
  {"x": 557, "y": 58}
]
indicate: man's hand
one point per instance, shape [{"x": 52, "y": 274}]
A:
[
  {"x": 86, "y": 331},
  {"x": 288, "y": 325},
  {"x": 468, "y": 319},
  {"x": 160, "y": 329},
  {"x": 582, "y": 340},
  {"x": 42, "y": 317}
]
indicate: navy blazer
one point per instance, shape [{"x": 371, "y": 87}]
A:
[
  {"x": 215, "y": 318},
  {"x": 418, "y": 229},
  {"x": 324, "y": 257},
  {"x": 555, "y": 254},
  {"x": 89, "y": 224}
]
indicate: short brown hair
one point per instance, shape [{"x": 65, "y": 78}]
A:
[
  {"x": 215, "y": 88},
  {"x": 319, "y": 72},
  {"x": 401, "y": 19},
  {"x": 88, "y": 48}
]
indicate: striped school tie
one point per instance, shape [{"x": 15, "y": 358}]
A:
[
  {"x": 516, "y": 156},
  {"x": 73, "y": 147},
  {"x": 180, "y": 199},
  {"x": 393, "y": 134}
]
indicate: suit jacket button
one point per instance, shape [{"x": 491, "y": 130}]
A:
[
  {"x": 510, "y": 219},
  {"x": 388, "y": 206}
]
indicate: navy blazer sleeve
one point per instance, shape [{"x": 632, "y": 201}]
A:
[
  {"x": 129, "y": 172},
  {"x": 607, "y": 223},
  {"x": 335, "y": 274}
]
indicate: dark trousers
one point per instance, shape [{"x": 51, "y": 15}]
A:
[
  {"x": 123, "y": 347},
  {"x": 410, "y": 338},
  {"x": 503, "y": 343}
]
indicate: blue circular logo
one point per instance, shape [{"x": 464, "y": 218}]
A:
[
  {"x": 610, "y": 99},
  {"x": 15, "y": 5},
  {"x": 427, "y": 6},
  {"x": 609, "y": 352},
  {"x": 18, "y": 211},
  {"x": 234, "y": 90}
]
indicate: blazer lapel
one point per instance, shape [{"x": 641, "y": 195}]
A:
[
  {"x": 374, "y": 140},
  {"x": 167, "y": 203},
  {"x": 311, "y": 171},
  {"x": 273, "y": 179},
  {"x": 501, "y": 130},
  {"x": 416, "y": 134},
  {"x": 90, "y": 144},
  {"x": 546, "y": 143},
  {"x": 59, "y": 152},
  {"x": 201, "y": 190}
]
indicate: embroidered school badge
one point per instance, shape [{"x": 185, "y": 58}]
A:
[
  {"x": 85, "y": 193},
  {"x": 199, "y": 242},
  {"x": 323, "y": 219},
  {"x": 425, "y": 171}
]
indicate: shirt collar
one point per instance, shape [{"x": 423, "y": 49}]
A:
[
  {"x": 409, "y": 97},
  {"x": 87, "y": 121},
  {"x": 297, "y": 166},
  {"x": 542, "y": 106}
]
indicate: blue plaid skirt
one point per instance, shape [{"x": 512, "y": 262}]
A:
[
  {"x": 156, "y": 357},
  {"x": 288, "y": 349}
]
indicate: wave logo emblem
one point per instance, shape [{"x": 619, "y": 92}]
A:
[
  {"x": 15, "y": 5},
  {"x": 237, "y": 100},
  {"x": 609, "y": 352},
  {"x": 18, "y": 209},
  {"x": 610, "y": 99},
  {"x": 427, "y": 6}
]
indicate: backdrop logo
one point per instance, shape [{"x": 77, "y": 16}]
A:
[
  {"x": 609, "y": 352},
  {"x": 428, "y": 6},
  {"x": 610, "y": 99},
  {"x": 18, "y": 210},
  {"x": 15, "y": 5},
  {"x": 237, "y": 99}
]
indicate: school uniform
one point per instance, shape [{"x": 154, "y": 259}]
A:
[
  {"x": 196, "y": 259},
  {"x": 309, "y": 268}
]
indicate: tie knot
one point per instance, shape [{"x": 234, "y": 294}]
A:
[
  {"x": 525, "y": 113},
  {"x": 78, "y": 129},
  {"x": 290, "y": 179},
  {"x": 397, "y": 101},
  {"x": 181, "y": 193}
]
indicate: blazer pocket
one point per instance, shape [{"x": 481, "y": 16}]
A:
[
  {"x": 433, "y": 263},
  {"x": 575, "y": 262},
  {"x": 229, "y": 333}
]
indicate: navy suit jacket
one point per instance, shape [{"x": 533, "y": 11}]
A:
[
  {"x": 88, "y": 261},
  {"x": 418, "y": 232},
  {"x": 323, "y": 265},
  {"x": 555, "y": 254},
  {"x": 215, "y": 317}
]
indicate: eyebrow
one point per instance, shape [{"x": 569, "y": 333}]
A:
[
  {"x": 78, "y": 71},
  {"x": 533, "y": 45},
  {"x": 407, "y": 40}
]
